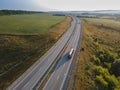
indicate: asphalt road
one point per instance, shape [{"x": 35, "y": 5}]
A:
[
  {"x": 58, "y": 79},
  {"x": 35, "y": 73}
]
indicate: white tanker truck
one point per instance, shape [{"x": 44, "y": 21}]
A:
[{"x": 70, "y": 53}]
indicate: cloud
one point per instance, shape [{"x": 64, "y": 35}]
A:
[{"x": 41, "y": 5}]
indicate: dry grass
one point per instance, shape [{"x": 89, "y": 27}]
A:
[
  {"x": 82, "y": 77},
  {"x": 105, "y": 23},
  {"x": 107, "y": 38}
]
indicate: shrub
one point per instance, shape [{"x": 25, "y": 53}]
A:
[
  {"x": 115, "y": 68},
  {"x": 106, "y": 56},
  {"x": 110, "y": 57},
  {"x": 97, "y": 44},
  {"x": 82, "y": 49},
  {"x": 99, "y": 52},
  {"x": 113, "y": 83},
  {"x": 107, "y": 65},
  {"x": 101, "y": 71},
  {"x": 95, "y": 60},
  {"x": 101, "y": 81},
  {"x": 95, "y": 39},
  {"x": 105, "y": 80}
]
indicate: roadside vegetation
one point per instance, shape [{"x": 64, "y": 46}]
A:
[
  {"x": 24, "y": 39},
  {"x": 98, "y": 64}
]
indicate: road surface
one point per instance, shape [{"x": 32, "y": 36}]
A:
[
  {"x": 58, "y": 79},
  {"x": 30, "y": 79}
]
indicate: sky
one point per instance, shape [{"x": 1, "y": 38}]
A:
[{"x": 60, "y": 5}]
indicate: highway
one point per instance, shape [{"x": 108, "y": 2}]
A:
[
  {"x": 32, "y": 77},
  {"x": 60, "y": 75}
]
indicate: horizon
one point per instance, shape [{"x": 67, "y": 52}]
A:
[{"x": 60, "y": 11}]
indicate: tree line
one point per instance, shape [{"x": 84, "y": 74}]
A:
[{"x": 14, "y": 12}]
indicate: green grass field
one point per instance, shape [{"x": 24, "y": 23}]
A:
[
  {"x": 28, "y": 24},
  {"x": 105, "y": 23}
]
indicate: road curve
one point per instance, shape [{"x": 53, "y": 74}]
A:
[
  {"x": 58, "y": 79},
  {"x": 35, "y": 73}
]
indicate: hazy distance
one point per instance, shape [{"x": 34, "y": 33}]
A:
[{"x": 60, "y": 5}]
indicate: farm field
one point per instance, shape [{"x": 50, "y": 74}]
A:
[
  {"x": 19, "y": 49},
  {"x": 28, "y": 24},
  {"x": 105, "y": 23},
  {"x": 93, "y": 69}
]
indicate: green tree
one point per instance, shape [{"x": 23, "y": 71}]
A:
[{"x": 115, "y": 68}]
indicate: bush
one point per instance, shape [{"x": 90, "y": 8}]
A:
[
  {"x": 82, "y": 49},
  {"x": 112, "y": 81},
  {"x": 106, "y": 56},
  {"x": 107, "y": 65},
  {"x": 101, "y": 81},
  {"x": 99, "y": 52},
  {"x": 110, "y": 56},
  {"x": 95, "y": 60},
  {"x": 101, "y": 71},
  {"x": 115, "y": 68},
  {"x": 105, "y": 80}
]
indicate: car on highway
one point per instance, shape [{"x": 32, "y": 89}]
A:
[{"x": 70, "y": 53}]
